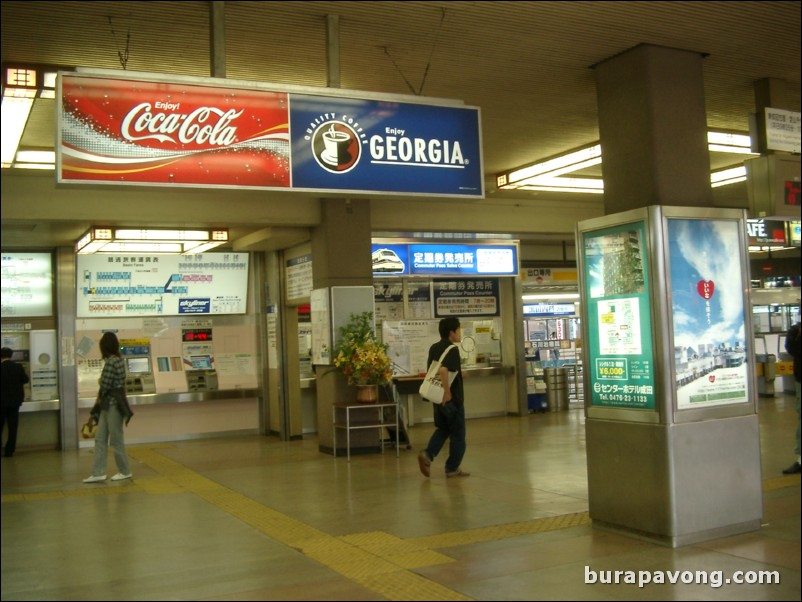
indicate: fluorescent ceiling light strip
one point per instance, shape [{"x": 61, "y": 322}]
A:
[
  {"x": 556, "y": 163},
  {"x": 141, "y": 247},
  {"x": 92, "y": 247},
  {"x": 31, "y": 156},
  {"x": 728, "y": 139},
  {"x": 727, "y": 182},
  {"x": 15, "y": 113},
  {"x": 203, "y": 247},
  {"x": 591, "y": 183},
  {"x": 723, "y": 148},
  {"x": 541, "y": 296},
  {"x": 165, "y": 235},
  {"x": 18, "y": 165},
  {"x": 728, "y": 174},
  {"x": 570, "y": 169},
  {"x": 561, "y": 189}
]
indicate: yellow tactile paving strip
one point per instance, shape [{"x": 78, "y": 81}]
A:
[{"x": 376, "y": 560}]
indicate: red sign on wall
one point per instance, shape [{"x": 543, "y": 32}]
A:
[{"x": 150, "y": 132}]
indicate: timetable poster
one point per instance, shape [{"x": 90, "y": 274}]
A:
[
  {"x": 620, "y": 336},
  {"x": 161, "y": 285},
  {"x": 710, "y": 357}
]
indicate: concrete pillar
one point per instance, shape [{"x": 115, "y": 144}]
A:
[
  {"x": 653, "y": 129},
  {"x": 341, "y": 256},
  {"x": 669, "y": 476}
]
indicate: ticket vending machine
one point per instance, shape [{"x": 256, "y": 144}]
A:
[
  {"x": 139, "y": 375},
  {"x": 23, "y": 357},
  {"x": 200, "y": 372}
]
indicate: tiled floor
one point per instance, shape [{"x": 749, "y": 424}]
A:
[{"x": 253, "y": 518}]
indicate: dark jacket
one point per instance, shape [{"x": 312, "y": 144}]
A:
[
  {"x": 119, "y": 397},
  {"x": 793, "y": 345},
  {"x": 13, "y": 378}
]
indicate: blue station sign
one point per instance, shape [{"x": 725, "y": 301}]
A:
[{"x": 444, "y": 260}]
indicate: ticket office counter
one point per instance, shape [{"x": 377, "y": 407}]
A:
[
  {"x": 188, "y": 415},
  {"x": 486, "y": 394},
  {"x": 39, "y": 425}
]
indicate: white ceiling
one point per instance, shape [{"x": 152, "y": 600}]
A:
[{"x": 527, "y": 65}]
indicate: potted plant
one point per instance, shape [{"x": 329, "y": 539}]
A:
[{"x": 360, "y": 357}]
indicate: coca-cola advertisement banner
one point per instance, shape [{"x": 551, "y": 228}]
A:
[
  {"x": 137, "y": 132},
  {"x": 132, "y": 132}
]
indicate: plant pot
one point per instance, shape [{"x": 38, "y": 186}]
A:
[{"x": 367, "y": 393}]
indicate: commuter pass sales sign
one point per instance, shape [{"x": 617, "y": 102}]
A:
[{"x": 137, "y": 132}]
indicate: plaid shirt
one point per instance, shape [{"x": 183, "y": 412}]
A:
[{"x": 113, "y": 375}]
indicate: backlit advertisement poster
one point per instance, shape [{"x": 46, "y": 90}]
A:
[
  {"x": 161, "y": 285},
  {"x": 710, "y": 358},
  {"x": 352, "y": 144},
  {"x": 27, "y": 284},
  {"x": 621, "y": 369},
  {"x": 139, "y": 132}
]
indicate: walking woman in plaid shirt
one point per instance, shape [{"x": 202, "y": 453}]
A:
[{"x": 110, "y": 412}]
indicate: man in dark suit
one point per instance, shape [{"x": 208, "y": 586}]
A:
[{"x": 12, "y": 379}]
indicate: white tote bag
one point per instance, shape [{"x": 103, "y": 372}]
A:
[{"x": 431, "y": 388}]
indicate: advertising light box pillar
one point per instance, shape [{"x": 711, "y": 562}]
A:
[{"x": 673, "y": 450}]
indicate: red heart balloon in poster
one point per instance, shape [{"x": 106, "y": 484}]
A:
[{"x": 705, "y": 288}]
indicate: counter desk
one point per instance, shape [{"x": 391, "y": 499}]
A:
[
  {"x": 485, "y": 393},
  {"x": 186, "y": 415}
]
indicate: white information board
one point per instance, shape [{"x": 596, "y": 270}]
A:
[{"x": 161, "y": 285}]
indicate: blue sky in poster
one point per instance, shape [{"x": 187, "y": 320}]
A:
[{"x": 706, "y": 251}]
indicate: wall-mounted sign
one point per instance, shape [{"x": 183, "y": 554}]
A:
[
  {"x": 161, "y": 285},
  {"x": 783, "y": 131},
  {"x": 548, "y": 276},
  {"x": 765, "y": 232},
  {"x": 299, "y": 277},
  {"x": 794, "y": 233},
  {"x": 27, "y": 282},
  {"x": 549, "y": 309},
  {"x": 134, "y": 132},
  {"x": 466, "y": 297},
  {"x": 444, "y": 259}
]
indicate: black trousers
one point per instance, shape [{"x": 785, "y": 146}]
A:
[{"x": 10, "y": 415}]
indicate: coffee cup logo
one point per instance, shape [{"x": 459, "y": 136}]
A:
[{"x": 336, "y": 147}]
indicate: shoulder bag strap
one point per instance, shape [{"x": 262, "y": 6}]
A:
[{"x": 445, "y": 353}]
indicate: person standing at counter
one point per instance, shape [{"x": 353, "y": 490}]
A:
[
  {"x": 110, "y": 411},
  {"x": 13, "y": 379},
  {"x": 449, "y": 416}
]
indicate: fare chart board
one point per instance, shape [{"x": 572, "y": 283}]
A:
[{"x": 161, "y": 285}]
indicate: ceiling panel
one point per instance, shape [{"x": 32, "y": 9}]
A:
[{"x": 527, "y": 65}]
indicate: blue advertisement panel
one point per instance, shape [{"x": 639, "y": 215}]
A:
[
  {"x": 445, "y": 260},
  {"x": 620, "y": 350},
  {"x": 472, "y": 297},
  {"x": 710, "y": 357},
  {"x": 351, "y": 144}
]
